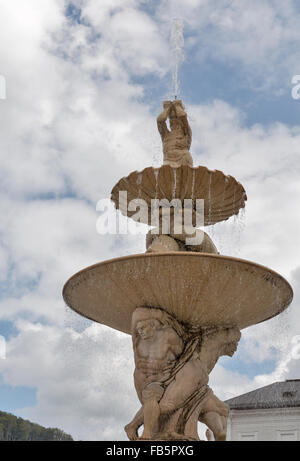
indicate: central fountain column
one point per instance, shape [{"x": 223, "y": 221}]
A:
[{"x": 173, "y": 360}]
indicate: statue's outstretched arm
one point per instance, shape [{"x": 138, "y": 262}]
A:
[
  {"x": 181, "y": 114},
  {"x": 161, "y": 119}
]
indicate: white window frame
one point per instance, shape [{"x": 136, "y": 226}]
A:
[
  {"x": 247, "y": 433},
  {"x": 293, "y": 432}
]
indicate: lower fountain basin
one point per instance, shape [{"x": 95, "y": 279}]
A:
[{"x": 197, "y": 288}]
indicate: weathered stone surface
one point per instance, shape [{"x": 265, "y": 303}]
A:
[
  {"x": 172, "y": 366},
  {"x": 167, "y": 243},
  {"x": 176, "y": 140},
  {"x": 196, "y": 288},
  {"x": 223, "y": 195}
]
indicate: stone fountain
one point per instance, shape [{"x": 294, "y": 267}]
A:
[{"x": 183, "y": 303}]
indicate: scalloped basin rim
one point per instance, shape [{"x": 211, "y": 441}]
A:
[
  {"x": 223, "y": 195},
  {"x": 197, "y": 288}
]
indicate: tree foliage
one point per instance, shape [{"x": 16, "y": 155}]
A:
[{"x": 14, "y": 428}]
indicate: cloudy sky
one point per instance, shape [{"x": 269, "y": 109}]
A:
[{"x": 84, "y": 83}]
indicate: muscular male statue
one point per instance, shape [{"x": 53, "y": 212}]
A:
[
  {"x": 172, "y": 369},
  {"x": 176, "y": 141}
]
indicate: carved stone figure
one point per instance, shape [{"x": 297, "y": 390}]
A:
[
  {"x": 176, "y": 232},
  {"x": 176, "y": 141},
  {"x": 172, "y": 366},
  {"x": 215, "y": 343},
  {"x": 161, "y": 243}
]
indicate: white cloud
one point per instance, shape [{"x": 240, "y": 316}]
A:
[
  {"x": 67, "y": 137},
  {"x": 261, "y": 36},
  {"x": 130, "y": 36},
  {"x": 73, "y": 123},
  {"x": 265, "y": 160},
  {"x": 46, "y": 242},
  {"x": 84, "y": 380}
]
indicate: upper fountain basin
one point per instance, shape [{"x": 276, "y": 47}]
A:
[{"x": 223, "y": 195}]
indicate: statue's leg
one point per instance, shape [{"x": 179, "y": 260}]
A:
[
  {"x": 131, "y": 428},
  {"x": 151, "y": 396},
  {"x": 178, "y": 396},
  {"x": 215, "y": 423},
  {"x": 187, "y": 381},
  {"x": 214, "y": 414}
]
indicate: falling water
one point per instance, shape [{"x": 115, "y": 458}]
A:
[
  {"x": 175, "y": 183},
  {"x": 227, "y": 235},
  {"x": 154, "y": 204},
  {"x": 156, "y": 148},
  {"x": 177, "y": 43},
  {"x": 75, "y": 322},
  {"x": 156, "y": 181},
  {"x": 193, "y": 184}
]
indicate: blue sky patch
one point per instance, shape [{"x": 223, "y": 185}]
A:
[
  {"x": 247, "y": 368},
  {"x": 7, "y": 329},
  {"x": 13, "y": 398}
]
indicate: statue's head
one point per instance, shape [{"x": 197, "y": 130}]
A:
[
  {"x": 230, "y": 349},
  {"x": 232, "y": 337},
  {"x": 225, "y": 339},
  {"x": 147, "y": 329},
  {"x": 146, "y": 321}
]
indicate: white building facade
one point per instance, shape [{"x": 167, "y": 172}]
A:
[{"x": 271, "y": 413}]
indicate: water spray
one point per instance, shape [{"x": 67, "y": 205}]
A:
[{"x": 177, "y": 46}]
